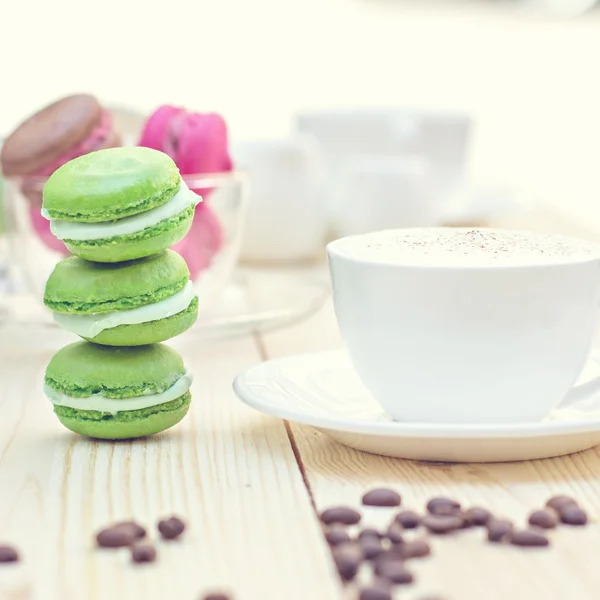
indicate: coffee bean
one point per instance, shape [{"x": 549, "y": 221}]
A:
[
  {"x": 337, "y": 536},
  {"x": 381, "y": 497},
  {"x": 114, "y": 537},
  {"x": 136, "y": 529},
  {"x": 370, "y": 532},
  {"x": 528, "y": 537},
  {"x": 415, "y": 549},
  {"x": 375, "y": 592},
  {"x": 340, "y": 514},
  {"x": 393, "y": 554},
  {"x": 143, "y": 553},
  {"x": 8, "y": 554},
  {"x": 571, "y": 514},
  {"x": 394, "y": 534},
  {"x": 443, "y": 506},
  {"x": 346, "y": 567},
  {"x": 171, "y": 528},
  {"x": 440, "y": 524},
  {"x": 557, "y": 502},
  {"x": 216, "y": 596},
  {"x": 498, "y": 529},
  {"x": 394, "y": 571},
  {"x": 371, "y": 547},
  {"x": 477, "y": 516},
  {"x": 546, "y": 519},
  {"x": 348, "y": 558},
  {"x": 409, "y": 519}
]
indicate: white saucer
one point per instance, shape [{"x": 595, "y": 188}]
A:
[{"x": 322, "y": 390}]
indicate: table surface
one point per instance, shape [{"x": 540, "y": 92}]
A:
[{"x": 251, "y": 487}]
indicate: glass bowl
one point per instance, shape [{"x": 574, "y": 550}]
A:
[{"x": 211, "y": 247}]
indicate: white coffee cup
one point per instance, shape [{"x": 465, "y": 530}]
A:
[
  {"x": 467, "y": 340},
  {"x": 381, "y": 192},
  {"x": 286, "y": 218}
]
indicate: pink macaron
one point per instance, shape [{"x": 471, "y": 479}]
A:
[{"x": 198, "y": 143}]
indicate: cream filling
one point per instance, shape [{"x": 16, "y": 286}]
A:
[
  {"x": 89, "y": 326},
  {"x": 66, "y": 230},
  {"x": 113, "y": 406}
]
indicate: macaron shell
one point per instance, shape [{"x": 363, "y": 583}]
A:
[
  {"x": 151, "y": 332},
  {"x": 123, "y": 426},
  {"x": 203, "y": 145},
  {"x": 77, "y": 286},
  {"x": 145, "y": 243},
  {"x": 45, "y": 135},
  {"x": 101, "y": 137},
  {"x": 81, "y": 369},
  {"x": 111, "y": 184},
  {"x": 157, "y": 127}
]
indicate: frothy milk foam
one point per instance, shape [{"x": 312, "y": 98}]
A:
[{"x": 466, "y": 247}]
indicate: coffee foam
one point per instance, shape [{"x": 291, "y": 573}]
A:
[{"x": 465, "y": 247}]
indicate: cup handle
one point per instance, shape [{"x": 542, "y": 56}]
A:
[{"x": 585, "y": 390}]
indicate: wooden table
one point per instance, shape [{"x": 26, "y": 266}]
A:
[{"x": 251, "y": 487}]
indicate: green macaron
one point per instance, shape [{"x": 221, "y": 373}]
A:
[
  {"x": 118, "y": 393},
  {"x": 139, "y": 302},
  {"x": 118, "y": 204}
]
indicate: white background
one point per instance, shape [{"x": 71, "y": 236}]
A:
[{"x": 533, "y": 85}]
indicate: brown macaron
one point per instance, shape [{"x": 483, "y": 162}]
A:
[{"x": 45, "y": 136}]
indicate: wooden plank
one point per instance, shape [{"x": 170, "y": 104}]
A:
[
  {"x": 230, "y": 471},
  {"x": 465, "y": 567}
]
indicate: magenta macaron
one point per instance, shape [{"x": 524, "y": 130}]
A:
[{"x": 198, "y": 144}]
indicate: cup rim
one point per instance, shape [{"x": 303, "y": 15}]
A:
[{"x": 335, "y": 249}]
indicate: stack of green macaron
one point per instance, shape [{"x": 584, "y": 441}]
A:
[{"x": 118, "y": 211}]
